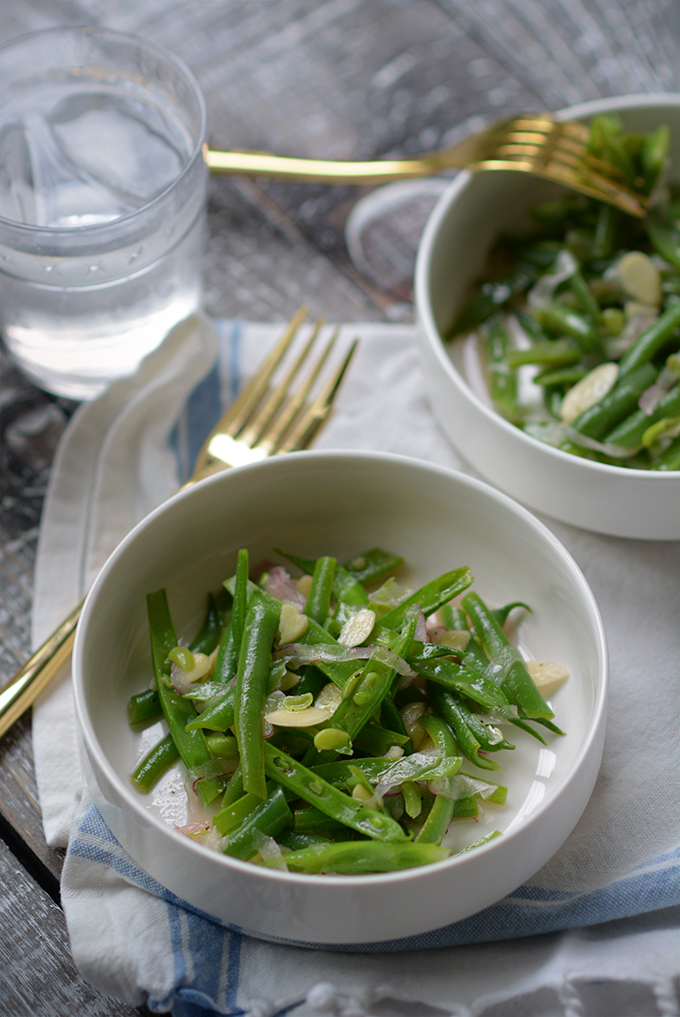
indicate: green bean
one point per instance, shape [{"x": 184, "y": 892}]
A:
[
  {"x": 665, "y": 237},
  {"x": 669, "y": 459},
  {"x": 191, "y": 745},
  {"x": 554, "y": 352},
  {"x": 318, "y": 603},
  {"x": 428, "y": 651},
  {"x": 151, "y": 768},
  {"x": 501, "y": 614},
  {"x": 495, "y": 343},
  {"x": 560, "y": 377},
  {"x": 448, "y": 708},
  {"x": 300, "y": 841},
  {"x": 356, "y": 857},
  {"x": 654, "y": 155},
  {"x": 334, "y": 803},
  {"x": 240, "y": 595},
  {"x": 339, "y": 672},
  {"x": 373, "y": 684},
  {"x": 340, "y": 773},
  {"x": 294, "y": 741},
  {"x": 487, "y": 298},
  {"x": 311, "y": 680},
  {"x": 392, "y": 720},
  {"x": 531, "y": 327},
  {"x": 606, "y": 231},
  {"x": 466, "y": 808},
  {"x": 373, "y": 564},
  {"x": 144, "y": 707},
  {"x": 209, "y": 636},
  {"x": 628, "y": 434},
  {"x": 599, "y": 419},
  {"x": 268, "y": 818},
  {"x": 489, "y": 738},
  {"x": 441, "y": 813},
  {"x": 234, "y": 788},
  {"x": 461, "y": 678},
  {"x": 607, "y": 143},
  {"x": 584, "y": 295},
  {"x": 312, "y": 820},
  {"x": 379, "y": 740},
  {"x": 653, "y": 339},
  {"x": 218, "y": 716},
  {"x": 453, "y": 617},
  {"x": 514, "y": 679},
  {"x": 231, "y": 816},
  {"x": 430, "y": 596},
  {"x": 251, "y": 686},
  {"x": 565, "y": 321},
  {"x": 221, "y": 746}
]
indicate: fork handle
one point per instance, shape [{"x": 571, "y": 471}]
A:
[
  {"x": 26, "y": 685},
  {"x": 326, "y": 171}
]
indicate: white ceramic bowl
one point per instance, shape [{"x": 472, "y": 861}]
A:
[
  {"x": 343, "y": 503},
  {"x": 452, "y": 254}
]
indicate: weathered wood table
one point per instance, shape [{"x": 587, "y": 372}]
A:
[{"x": 335, "y": 78}]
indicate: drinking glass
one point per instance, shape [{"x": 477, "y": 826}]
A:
[{"x": 102, "y": 203}]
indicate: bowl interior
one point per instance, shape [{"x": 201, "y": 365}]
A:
[{"x": 342, "y": 504}]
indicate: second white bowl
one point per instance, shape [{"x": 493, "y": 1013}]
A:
[{"x": 452, "y": 254}]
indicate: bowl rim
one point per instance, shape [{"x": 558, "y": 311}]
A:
[
  {"x": 135, "y": 802},
  {"x": 431, "y": 330}
]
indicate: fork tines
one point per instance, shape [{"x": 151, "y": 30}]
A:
[
  {"x": 275, "y": 414},
  {"x": 555, "y": 150}
]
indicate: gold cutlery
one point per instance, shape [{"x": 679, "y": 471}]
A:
[
  {"x": 532, "y": 143},
  {"x": 264, "y": 420}
]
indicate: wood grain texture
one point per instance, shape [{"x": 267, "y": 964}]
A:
[
  {"x": 336, "y": 78},
  {"x": 38, "y": 978}
]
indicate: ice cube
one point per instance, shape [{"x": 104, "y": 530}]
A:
[
  {"x": 127, "y": 145},
  {"x": 65, "y": 194}
]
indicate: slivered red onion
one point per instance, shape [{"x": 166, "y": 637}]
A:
[
  {"x": 297, "y": 654},
  {"x": 279, "y": 584}
]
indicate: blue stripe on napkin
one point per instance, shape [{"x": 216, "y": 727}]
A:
[{"x": 206, "y": 403}]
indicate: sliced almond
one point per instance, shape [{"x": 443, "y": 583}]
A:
[
  {"x": 303, "y": 585},
  {"x": 588, "y": 391},
  {"x": 640, "y": 278},
  {"x": 547, "y": 672},
  {"x": 297, "y": 718},
  {"x": 292, "y": 625},
  {"x": 358, "y": 628}
]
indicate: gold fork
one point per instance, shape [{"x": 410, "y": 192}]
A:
[
  {"x": 532, "y": 143},
  {"x": 263, "y": 420}
]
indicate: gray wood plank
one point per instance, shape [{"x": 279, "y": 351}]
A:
[{"x": 38, "y": 976}]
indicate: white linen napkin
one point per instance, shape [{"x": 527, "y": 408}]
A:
[{"x": 124, "y": 454}]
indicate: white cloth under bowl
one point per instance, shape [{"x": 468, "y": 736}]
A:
[{"x": 124, "y": 454}]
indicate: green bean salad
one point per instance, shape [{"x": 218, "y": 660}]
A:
[
  {"x": 577, "y": 321},
  {"x": 339, "y": 722}
]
